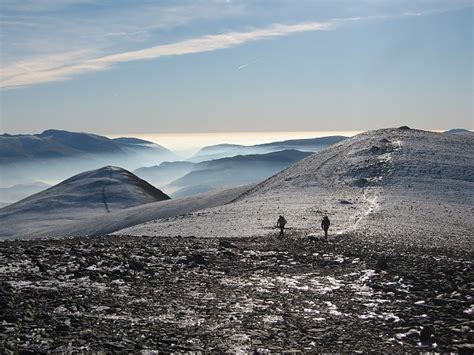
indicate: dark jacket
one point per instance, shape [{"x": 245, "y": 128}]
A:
[
  {"x": 325, "y": 223},
  {"x": 281, "y": 222}
]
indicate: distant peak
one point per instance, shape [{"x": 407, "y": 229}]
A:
[
  {"x": 52, "y": 131},
  {"x": 131, "y": 140},
  {"x": 63, "y": 134},
  {"x": 55, "y": 132},
  {"x": 458, "y": 131}
]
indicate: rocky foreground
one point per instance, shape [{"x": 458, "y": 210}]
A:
[{"x": 119, "y": 293}]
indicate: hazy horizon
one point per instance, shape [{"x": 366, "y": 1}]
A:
[{"x": 186, "y": 144}]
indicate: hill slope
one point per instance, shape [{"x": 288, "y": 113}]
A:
[
  {"x": 233, "y": 171},
  {"x": 395, "y": 184},
  {"x": 388, "y": 158},
  {"x": 106, "y": 223},
  {"x": 96, "y": 192},
  {"x": 166, "y": 172}
]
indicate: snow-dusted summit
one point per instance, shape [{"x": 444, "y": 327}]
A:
[
  {"x": 404, "y": 184},
  {"x": 390, "y": 158},
  {"x": 92, "y": 193}
]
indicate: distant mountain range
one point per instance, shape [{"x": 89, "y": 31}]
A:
[
  {"x": 166, "y": 172},
  {"x": 17, "y": 192},
  {"x": 92, "y": 193},
  {"x": 24, "y": 157},
  {"x": 229, "y": 150},
  {"x": 54, "y": 144},
  {"x": 183, "y": 178},
  {"x": 238, "y": 170}
]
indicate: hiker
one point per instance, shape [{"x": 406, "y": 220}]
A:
[
  {"x": 281, "y": 224},
  {"x": 325, "y": 223}
]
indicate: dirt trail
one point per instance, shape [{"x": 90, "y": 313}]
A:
[
  {"x": 372, "y": 198},
  {"x": 372, "y": 195}
]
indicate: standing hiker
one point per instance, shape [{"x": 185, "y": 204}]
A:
[
  {"x": 325, "y": 223},
  {"x": 281, "y": 224}
]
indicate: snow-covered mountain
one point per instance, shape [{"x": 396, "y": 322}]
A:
[
  {"x": 396, "y": 184},
  {"x": 388, "y": 158},
  {"x": 92, "y": 193}
]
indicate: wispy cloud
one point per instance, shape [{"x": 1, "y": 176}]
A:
[
  {"x": 40, "y": 5},
  {"x": 33, "y": 28},
  {"x": 240, "y": 67},
  {"x": 65, "y": 66}
]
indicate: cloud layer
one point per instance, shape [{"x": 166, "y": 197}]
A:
[
  {"x": 65, "y": 66},
  {"x": 85, "y": 51}
]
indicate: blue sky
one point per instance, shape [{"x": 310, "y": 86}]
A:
[{"x": 233, "y": 66}]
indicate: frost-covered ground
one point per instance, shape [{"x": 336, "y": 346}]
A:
[
  {"x": 256, "y": 216},
  {"x": 122, "y": 293},
  {"x": 403, "y": 186}
]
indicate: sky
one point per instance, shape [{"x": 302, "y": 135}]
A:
[{"x": 154, "y": 67}]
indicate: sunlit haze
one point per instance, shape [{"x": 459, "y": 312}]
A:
[{"x": 187, "y": 144}]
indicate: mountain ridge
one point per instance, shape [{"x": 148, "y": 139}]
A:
[
  {"x": 53, "y": 143},
  {"x": 94, "y": 192}
]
